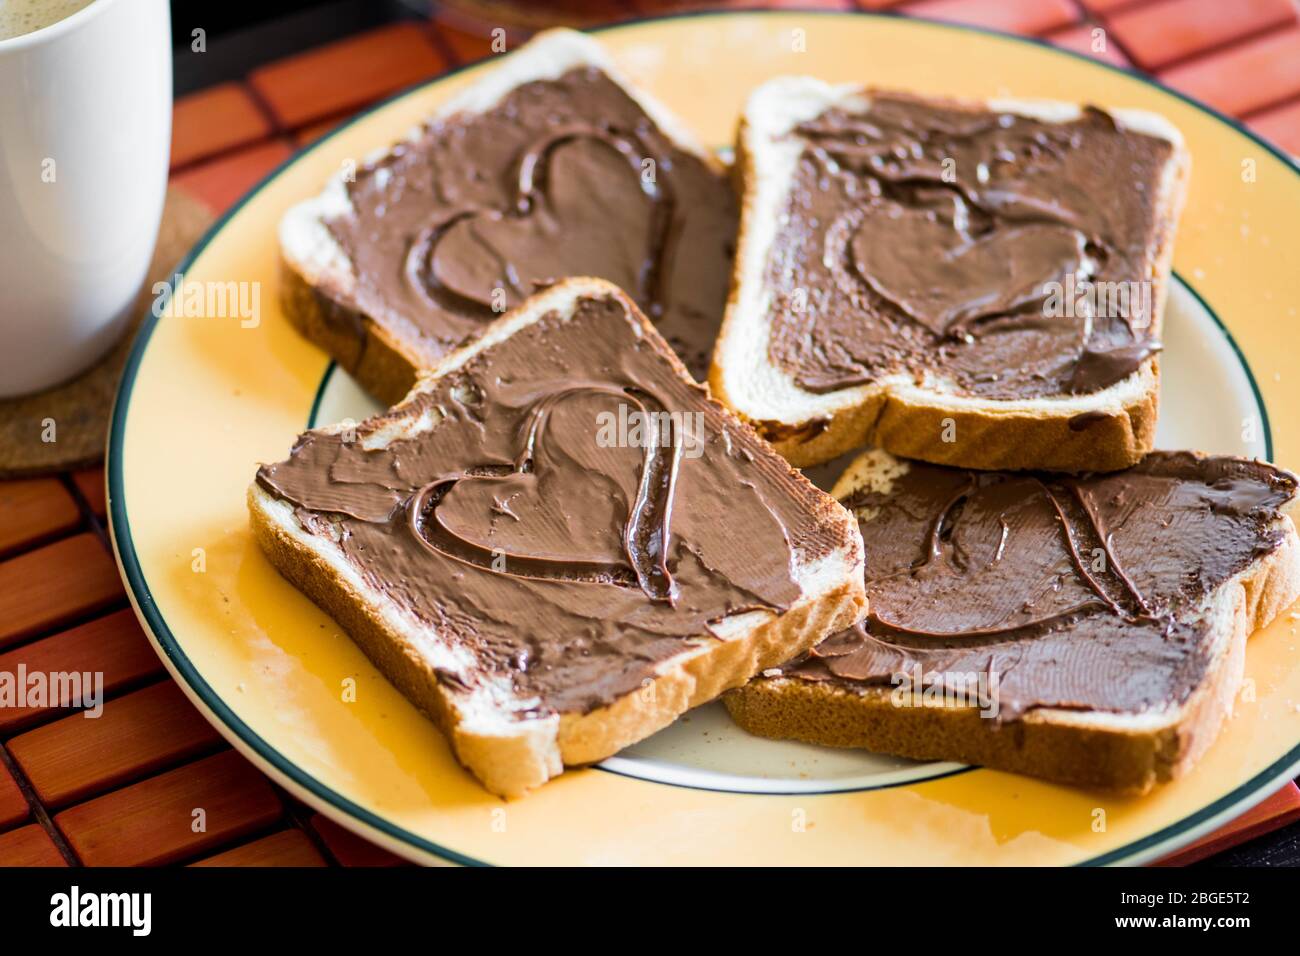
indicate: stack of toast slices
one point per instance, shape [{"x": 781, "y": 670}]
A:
[{"x": 557, "y": 541}]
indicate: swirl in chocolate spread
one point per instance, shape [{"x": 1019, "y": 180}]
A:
[
  {"x": 927, "y": 239},
  {"x": 562, "y": 177},
  {"x": 571, "y": 569},
  {"x": 1080, "y": 593}
]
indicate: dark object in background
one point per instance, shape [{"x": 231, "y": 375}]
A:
[
  {"x": 222, "y": 18},
  {"x": 238, "y": 37},
  {"x": 521, "y": 16}
]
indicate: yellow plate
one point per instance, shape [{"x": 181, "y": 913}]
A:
[{"x": 206, "y": 399}]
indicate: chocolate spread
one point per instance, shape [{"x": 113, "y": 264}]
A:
[
  {"x": 561, "y": 178},
  {"x": 925, "y": 239},
  {"x": 1078, "y": 593},
  {"x": 569, "y": 562}
]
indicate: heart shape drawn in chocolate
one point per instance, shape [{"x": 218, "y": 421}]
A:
[
  {"x": 570, "y": 217},
  {"x": 892, "y": 247},
  {"x": 613, "y": 528}
]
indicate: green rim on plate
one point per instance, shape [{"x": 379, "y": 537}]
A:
[{"x": 294, "y": 777}]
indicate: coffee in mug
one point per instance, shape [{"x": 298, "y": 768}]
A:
[{"x": 20, "y": 17}]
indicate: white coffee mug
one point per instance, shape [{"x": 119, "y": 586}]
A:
[{"x": 85, "y": 134}]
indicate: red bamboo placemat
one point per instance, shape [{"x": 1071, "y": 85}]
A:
[{"x": 122, "y": 790}]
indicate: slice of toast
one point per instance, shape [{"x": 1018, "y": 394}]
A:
[
  {"x": 967, "y": 283},
  {"x": 550, "y": 165},
  {"x": 1087, "y": 631},
  {"x": 545, "y": 568}
]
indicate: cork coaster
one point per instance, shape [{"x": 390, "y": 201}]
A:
[{"x": 75, "y": 415}]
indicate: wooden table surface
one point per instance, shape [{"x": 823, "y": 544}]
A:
[{"x": 120, "y": 790}]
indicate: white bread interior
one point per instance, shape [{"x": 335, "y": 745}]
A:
[
  {"x": 744, "y": 378},
  {"x": 1125, "y": 752},
  {"x": 508, "y": 752}
]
